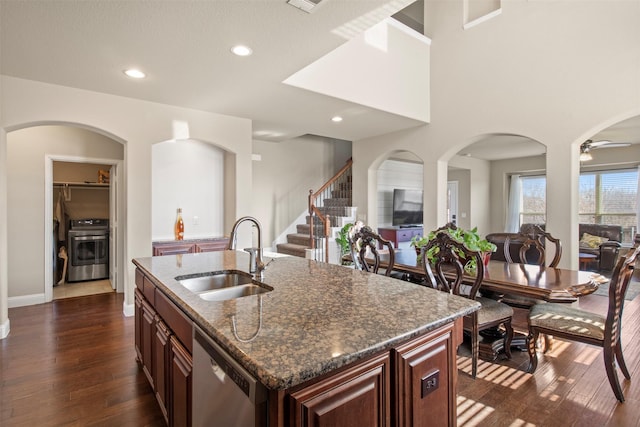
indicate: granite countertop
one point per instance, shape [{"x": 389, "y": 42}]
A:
[{"x": 319, "y": 317}]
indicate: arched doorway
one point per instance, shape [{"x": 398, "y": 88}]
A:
[{"x": 31, "y": 202}]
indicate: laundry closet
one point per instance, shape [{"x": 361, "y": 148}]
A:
[{"x": 80, "y": 222}]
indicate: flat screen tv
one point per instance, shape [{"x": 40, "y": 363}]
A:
[{"x": 407, "y": 207}]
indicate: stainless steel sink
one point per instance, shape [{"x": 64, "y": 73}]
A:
[
  {"x": 222, "y": 285},
  {"x": 215, "y": 280},
  {"x": 232, "y": 293}
]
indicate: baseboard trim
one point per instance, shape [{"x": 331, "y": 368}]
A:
[
  {"x": 24, "y": 300},
  {"x": 4, "y": 329},
  {"x": 128, "y": 309}
]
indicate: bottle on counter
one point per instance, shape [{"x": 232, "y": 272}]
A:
[{"x": 179, "y": 227}]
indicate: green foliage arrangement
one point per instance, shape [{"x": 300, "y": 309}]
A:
[
  {"x": 470, "y": 238},
  {"x": 343, "y": 239}
]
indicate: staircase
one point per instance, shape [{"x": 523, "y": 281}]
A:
[{"x": 333, "y": 203}]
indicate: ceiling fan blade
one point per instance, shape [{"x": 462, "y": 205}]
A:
[{"x": 608, "y": 144}]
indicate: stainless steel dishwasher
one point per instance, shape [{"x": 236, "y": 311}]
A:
[{"x": 224, "y": 393}]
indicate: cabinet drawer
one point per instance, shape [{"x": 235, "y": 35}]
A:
[
  {"x": 139, "y": 280},
  {"x": 148, "y": 289},
  {"x": 404, "y": 235},
  {"x": 175, "y": 319}
]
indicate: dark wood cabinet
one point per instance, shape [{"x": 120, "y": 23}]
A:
[
  {"x": 358, "y": 396},
  {"x": 175, "y": 247},
  {"x": 426, "y": 379},
  {"x": 163, "y": 341},
  {"x": 148, "y": 326},
  {"x": 162, "y": 352},
  {"x": 180, "y": 384},
  {"x": 397, "y": 235}
]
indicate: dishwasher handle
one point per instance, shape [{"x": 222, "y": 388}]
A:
[{"x": 222, "y": 364}]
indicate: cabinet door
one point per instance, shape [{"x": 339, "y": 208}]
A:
[
  {"x": 173, "y": 248},
  {"x": 358, "y": 396},
  {"x": 162, "y": 352},
  {"x": 137, "y": 300},
  {"x": 212, "y": 245},
  {"x": 180, "y": 383},
  {"x": 147, "y": 334},
  {"x": 426, "y": 374}
]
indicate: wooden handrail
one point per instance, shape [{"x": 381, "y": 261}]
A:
[
  {"x": 313, "y": 209},
  {"x": 333, "y": 179}
]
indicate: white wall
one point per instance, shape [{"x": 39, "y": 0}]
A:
[
  {"x": 284, "y": 174},
  {"x": 530, "y": 71},
  {"x": 189, "y": 175},
  {"x": 25, "y": 171},
  {"x": 138, "y": 124}
]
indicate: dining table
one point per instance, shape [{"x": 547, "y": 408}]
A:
[
  {"x": 538, "y": 282},
  {"x": 526, "y": 280}
]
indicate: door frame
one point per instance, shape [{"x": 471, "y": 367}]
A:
[{"x": 117, "y": 280}]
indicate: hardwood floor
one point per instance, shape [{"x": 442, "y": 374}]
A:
[
  {"x": 569, "y": 388},
  {"x": 72, "y": 363}
]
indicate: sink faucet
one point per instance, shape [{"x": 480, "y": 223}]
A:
[{"x": 255, "y": 262}]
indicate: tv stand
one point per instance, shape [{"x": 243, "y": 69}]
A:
[{"x": 400, "y": 234}]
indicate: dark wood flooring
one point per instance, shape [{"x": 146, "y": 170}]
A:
[{"x": 72, "y": 363}]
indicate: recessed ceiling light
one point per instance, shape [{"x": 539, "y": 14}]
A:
[
  {"x": 241, "y": 50},
  {"x": 135, "y": 74},
  {"x": 336, "y": 119}
]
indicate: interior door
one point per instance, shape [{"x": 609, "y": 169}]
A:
[
  {"x": 113, "y": 225},
  {"x": 452, "y": 202}
]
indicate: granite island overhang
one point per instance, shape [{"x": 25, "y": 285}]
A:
[{"x": 318, "y": 318}]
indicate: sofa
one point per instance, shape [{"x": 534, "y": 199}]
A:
[{"x": 603, "y": 241}]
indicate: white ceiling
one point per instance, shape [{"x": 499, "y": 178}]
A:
[{"x": 184, "y": 47}]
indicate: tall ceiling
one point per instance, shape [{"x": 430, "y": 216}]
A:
[{"x": 184, "y": 47}]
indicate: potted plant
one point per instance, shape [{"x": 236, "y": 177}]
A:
[
  {"x": 470, "y": 238},
  {"x": 343, "y": 242}
]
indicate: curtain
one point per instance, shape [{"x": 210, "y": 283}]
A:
[
  {"x": 513, "y": 210},
  {"x": 633, "y": 238}
]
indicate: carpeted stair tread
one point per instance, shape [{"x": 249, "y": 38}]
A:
[
  {"x": 298, "y": 239},
  {"x": 292, "y": 249}
]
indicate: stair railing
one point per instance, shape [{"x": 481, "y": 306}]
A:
[{"x": 334, "y": 186}]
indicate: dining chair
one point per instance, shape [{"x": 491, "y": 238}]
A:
[
  {"x": 533, "y": 242},
  {"x": 574, "y": 324},
  {"x": 366, "y": 256},
  {"x": 444, "y": 260}
]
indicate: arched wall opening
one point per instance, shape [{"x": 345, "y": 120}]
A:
[{"x": 32, "y": 149}]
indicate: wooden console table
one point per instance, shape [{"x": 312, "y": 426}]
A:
[{"x": 397, "y": 234}]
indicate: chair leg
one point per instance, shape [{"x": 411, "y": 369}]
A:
[
  {"x": 610, "y": 366},
  {"x": 531, "y": 348},
  {"x": 620, "y": 360},
  {"x": 508, "y": 337},
  {"x": 548, "y": 342},
  {"x": 475, "y": 347}
]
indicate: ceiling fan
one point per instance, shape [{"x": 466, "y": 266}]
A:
[{"x": 589, "y": 144}]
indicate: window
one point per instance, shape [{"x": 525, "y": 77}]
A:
[
  {"x": 605, "y": 197},
  {"x": 533, "y": 207},
  {"x": 609, "y": 197}
]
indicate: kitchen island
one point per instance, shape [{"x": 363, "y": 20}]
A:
[{"x": 326, "y": 341}]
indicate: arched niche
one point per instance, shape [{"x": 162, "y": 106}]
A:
[
  {"x": 399, "y": 170},
  {"x": 484, "y": 170},
  {"x": 190, "y": 175}
]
